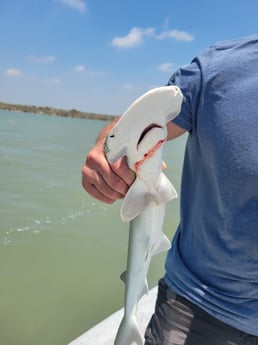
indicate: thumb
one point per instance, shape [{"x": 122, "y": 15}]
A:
[{"x": 122, "y": 169}]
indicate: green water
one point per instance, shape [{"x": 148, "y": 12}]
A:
[{"x": 61, "y": 252}]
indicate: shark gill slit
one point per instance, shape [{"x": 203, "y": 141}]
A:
[{"x": 146, "y": 130}]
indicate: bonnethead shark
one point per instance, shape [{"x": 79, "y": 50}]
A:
[{"x": 139, "y": 135}]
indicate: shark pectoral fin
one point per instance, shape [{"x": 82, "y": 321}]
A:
[
  {"x": 163, "y": 246},
  {"x": 166, "y": 190},
  {"x": 123, "y": 276},
  {"x": 135, "y": 201}
]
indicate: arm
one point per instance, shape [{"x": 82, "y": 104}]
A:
[
  {"x": 103, "y": 181},
  {"x": 174, "y": 131}
]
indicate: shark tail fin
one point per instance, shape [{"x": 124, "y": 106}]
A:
[
  {"x": 138, "y": 197},
  {"x": 128, "y": 333}
]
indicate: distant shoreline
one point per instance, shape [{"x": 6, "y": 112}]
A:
[{"x": 55, "y": 111}]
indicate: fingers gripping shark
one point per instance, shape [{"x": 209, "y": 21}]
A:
[{"x": 139, "y": 135}]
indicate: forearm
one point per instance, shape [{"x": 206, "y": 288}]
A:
[{"x": 174, "y": 131}]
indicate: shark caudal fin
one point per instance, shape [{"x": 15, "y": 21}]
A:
[
  {"x": 138, "y": 197},
  {"x": 128, "y": 333}
]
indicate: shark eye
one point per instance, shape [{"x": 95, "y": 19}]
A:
[{"x": 112, "y": 136}]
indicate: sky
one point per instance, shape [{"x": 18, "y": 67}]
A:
[{"x": 100, "y": 55}]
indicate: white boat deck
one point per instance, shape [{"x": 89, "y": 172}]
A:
[{"x": 104, "y": 332}]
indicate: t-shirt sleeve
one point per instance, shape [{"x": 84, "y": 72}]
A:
[{"x": 188, "y": 79}]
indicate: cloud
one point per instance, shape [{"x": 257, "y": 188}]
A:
[
  {"x": 136, "y": 36},
  {"x": 133, "y": 38},
  {"x": 79, "y": 5},
  {"x": 175, "y": 34},
  {"x": 79, "y": 68},
  {"x": 13, "y": 72},
  {"x": 166, "y": 67},
  {"x": 92, "y": 73},
  {"x": 43, "y": 59}
]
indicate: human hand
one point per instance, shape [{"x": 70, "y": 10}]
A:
[{"x": 103, "y": 181}]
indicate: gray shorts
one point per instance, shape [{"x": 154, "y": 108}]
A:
[{"x": 177, "y": 321}]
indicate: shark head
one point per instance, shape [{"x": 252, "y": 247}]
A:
[
  {"x": 114, "y": 145},
  {"x": 152, "y": 110}
]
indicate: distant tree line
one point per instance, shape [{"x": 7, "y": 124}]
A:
[{"x": 54, "y": 111}]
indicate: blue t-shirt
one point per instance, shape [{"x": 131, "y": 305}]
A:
[{"x": 214, "y": 256}]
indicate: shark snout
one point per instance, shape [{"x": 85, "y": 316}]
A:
[
  {"x": 113, "y": 149},
  {"x": 106, "y": 148}
]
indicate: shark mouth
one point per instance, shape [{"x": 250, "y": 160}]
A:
[{"x": 146, "y": 130}]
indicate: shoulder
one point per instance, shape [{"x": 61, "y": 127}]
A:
[
  {"x": 228, "y": 49},
  {"x": 229, "y": 44},
  {"x": 224, "y": 48}
]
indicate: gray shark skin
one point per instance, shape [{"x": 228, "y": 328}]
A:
[{"x": 140, "y": 135}]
